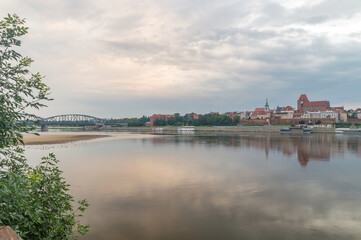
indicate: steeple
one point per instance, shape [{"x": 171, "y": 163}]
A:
[{"x": 266, "y": 107}]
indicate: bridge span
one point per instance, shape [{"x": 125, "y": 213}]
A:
[{"x": 67, "y": 118}]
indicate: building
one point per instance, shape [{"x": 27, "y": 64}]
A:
[
  {"x": 358, "y": 115},
  {"x": 245, "y": 115},
  {"x": 304, "y": 105},
  {"x": 233, "y": 116},
  {"x": 159, "y": 116},
  {"x": 262, "y": 113},
  {"x": 343, "y": 116},
  {"x": 284, "y": 112},
  {"x": 326, "y": 114},
  {"x": 340, "y": 109},
  {"x": 193, "y": 115}
]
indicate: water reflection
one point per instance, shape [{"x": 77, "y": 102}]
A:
[
  {"x": 217, "y": 186},
  {"x": 316, "y": 147}
]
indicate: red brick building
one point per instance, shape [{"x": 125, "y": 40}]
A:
[
  {"x": 193, "y": 115},
  {"x": 159, "y": 116},
  {"x": 304, "y": 105},
  {"x": 288, "y": 109}
]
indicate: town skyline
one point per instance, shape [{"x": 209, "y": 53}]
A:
[
  {"x": 306, "y": 112},
  {"x": 266, "y": 101}
]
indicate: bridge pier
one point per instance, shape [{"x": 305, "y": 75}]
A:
[{"x": 44, "y": 128}]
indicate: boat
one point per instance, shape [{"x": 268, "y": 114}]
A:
[
  {"x": 348, "y": 130},
  {"x": 285, "y": 130},
  {"x": 307, "y": 130},
  {"x": 186, "y": 129},
  {"x": 296, "y": 130}
]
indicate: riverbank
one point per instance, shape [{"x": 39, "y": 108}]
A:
[
  {"x": 257, "y": 129},
  {"x": 58, "y": 139}
]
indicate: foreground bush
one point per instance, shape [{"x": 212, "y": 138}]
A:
[{"x": 34, "y": 201}]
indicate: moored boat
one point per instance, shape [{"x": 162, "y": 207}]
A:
[
  {"x": 348, "y": 130},
  {"x": 186, "y": 129},
  {"x": 296, "y": 130}
]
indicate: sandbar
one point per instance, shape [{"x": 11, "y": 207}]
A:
[{"x": 57, "y": 138}]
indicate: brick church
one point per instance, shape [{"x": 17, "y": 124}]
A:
[{"x": 304, "y": 105}]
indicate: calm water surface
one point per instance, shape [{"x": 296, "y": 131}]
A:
[{"x": 248, "y": 186}]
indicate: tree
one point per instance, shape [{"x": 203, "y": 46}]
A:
[
  {"x": 33, "y": 200},
  {"x": 236, "y": 120},
  {"x": 160, "y": 122},
  {"x": 171, "y": 121}
]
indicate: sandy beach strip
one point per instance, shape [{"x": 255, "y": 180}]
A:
[{"x": 57, "y": 139}]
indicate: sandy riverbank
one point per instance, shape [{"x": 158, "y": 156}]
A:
[{"x": 58, "y": 139}]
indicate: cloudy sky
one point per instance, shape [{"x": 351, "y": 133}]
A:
[{"x": 123, "y": 58}]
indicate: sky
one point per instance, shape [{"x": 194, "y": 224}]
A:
[{"x": 126, "y": 58}]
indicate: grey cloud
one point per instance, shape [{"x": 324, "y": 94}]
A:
[
  {"x": 133, "y": 48},
  {"x": 330, "y": 10},
  {"x": 275, "y": 14},
  {"x": 232, "y": 49}
]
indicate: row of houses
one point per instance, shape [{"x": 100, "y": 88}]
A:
[{"x": 307, "y": 111}]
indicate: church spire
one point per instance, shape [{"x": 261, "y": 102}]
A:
[{"x": 266, "y": 107}]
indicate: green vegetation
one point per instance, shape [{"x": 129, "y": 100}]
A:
[
  {"x": 178, "y": 120},
  {"x": 132, "y": 122},
  {"x": 251, "y": 125},
  {"x": 137, "y": 122},
  {"x": 202, "y": 120},
  {"x": 346, "y": 125},
  {"x": 281, "y": 125},
  {"x": 34, "y": 201}
]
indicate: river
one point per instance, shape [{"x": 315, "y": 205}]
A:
[{"x": 215, "y": 186}]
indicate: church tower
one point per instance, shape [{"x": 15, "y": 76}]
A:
[{"x": 266, "y": 106}]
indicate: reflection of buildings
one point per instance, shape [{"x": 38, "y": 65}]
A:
[
  {"x": 312, "y": 151},
  {"x": 317, "y": 147}
]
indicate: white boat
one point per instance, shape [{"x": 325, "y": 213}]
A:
[
  {"x": 186, "y": 129},
  {"x": 348, "y": 130}
]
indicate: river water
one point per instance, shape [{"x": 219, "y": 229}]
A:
[{"x": 215, "y": 186}]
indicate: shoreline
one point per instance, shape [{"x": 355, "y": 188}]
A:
[
  {"x": 255, "y": 129},
  {"x": 58, "y": 139}
]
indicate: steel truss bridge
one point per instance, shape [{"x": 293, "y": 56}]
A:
[{"x": 67, "y": 119}]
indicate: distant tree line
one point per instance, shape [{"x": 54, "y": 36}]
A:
[
  {"x": 132, "y": 122},
  {"x": 202, "y": 120},
  {"x": 347, "y": 125},
  {"x": 178, "y": 120},
  {"x": 137, "y": 122}
]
